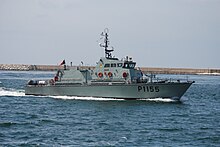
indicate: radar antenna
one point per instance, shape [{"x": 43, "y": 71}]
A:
[{"x": 106, "y": 44}]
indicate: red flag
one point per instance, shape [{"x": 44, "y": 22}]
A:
[{"x": 63, "y": 62}]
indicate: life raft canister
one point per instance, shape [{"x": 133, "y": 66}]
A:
[
  {"x": 100, "y": 74},
  {"x": 124, "y": 74},
  {"x": 110, "y": 74}
]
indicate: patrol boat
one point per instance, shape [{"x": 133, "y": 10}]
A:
[{"x": 110, "y": 78}]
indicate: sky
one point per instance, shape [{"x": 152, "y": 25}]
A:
[{"x": 156, "y": 33}]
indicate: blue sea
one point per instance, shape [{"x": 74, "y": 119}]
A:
[{"x": 87, "y": 121}]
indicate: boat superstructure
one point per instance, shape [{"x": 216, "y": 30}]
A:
[{"x": 110, "y": 78}]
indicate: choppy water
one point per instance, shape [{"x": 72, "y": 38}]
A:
[{"x": 75, "y": 121}]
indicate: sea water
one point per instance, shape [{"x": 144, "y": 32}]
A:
[{"x": 89, "y": 121}]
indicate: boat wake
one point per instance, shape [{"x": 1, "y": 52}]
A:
[
  {"x": 11, "y": 92},
  {"x": 20, "y": 93},
  {"x": 166, "y": 100},
  {"x": 85, "y": 98}
]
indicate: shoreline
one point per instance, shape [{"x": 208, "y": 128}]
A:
[{"x": 152, "y": 70}]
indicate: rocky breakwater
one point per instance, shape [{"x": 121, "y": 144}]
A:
[
  {"x": 23, "y": 67},
  {"x": 181, "y": 71},
  {"x": 19, "y": 67}
]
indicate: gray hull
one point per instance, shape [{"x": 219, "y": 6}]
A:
[{"x": 127, "y": 91}]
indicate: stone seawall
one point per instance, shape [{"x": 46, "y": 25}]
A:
[
  {"x": 180, "y": 71},
  {"x": 22, "y": 67},
  {"x": 18, "y": 67}
]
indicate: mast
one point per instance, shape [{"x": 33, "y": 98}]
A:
[{"x": 106, "y": 44}]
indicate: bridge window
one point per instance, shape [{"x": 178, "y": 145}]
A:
[
  {"x": 113, "y": 65},
  {"x": 107, "y": 65},
  {"x": 131, "y": 65},
  {"x": 120, "y": 64}
]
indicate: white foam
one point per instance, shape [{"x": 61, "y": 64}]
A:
[
  {"x": 168, "y": 100},
  {"x": 214, "y": 74},
  {"x": 11, "y": 92},
  {"x": 85, "y": 98},
  {"x": 111, "y": 99}
]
